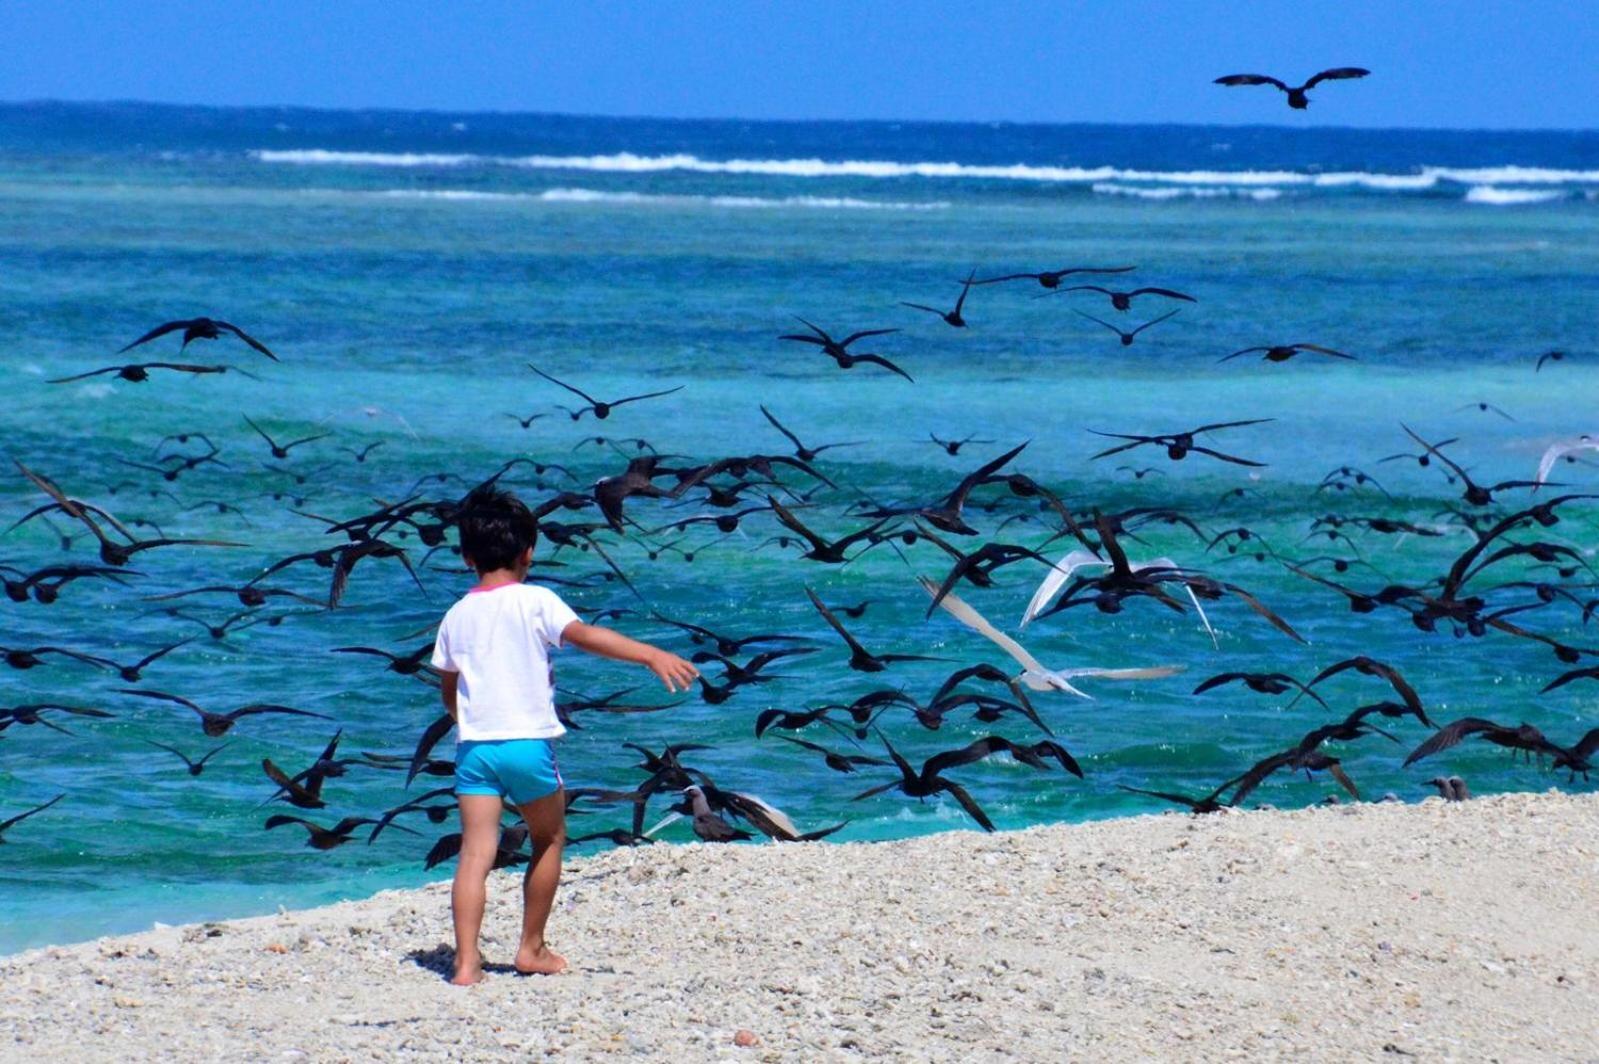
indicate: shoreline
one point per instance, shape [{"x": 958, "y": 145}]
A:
[{"x": 1369, "y": 930}]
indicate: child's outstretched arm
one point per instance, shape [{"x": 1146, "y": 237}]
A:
[{"x": 675, "y": 672}]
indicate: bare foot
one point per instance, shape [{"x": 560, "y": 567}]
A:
[
  {"x": 542, "y": 961},
  {"x": 468, "y": 971}
]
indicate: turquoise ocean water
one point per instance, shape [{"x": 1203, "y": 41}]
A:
[{"x": 408, "y": 267}]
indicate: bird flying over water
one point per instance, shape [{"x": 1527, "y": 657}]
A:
[
  {"x": 200, "y": 329},
  {"x": 1296, "y": 94}
]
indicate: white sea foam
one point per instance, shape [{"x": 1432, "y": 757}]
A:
[
  {"x": 627, "y": 162},
  {"x": 1511, "y": 197},
  {"x": 589, "y": 195},
  {"x": 1194, "y": 192}
]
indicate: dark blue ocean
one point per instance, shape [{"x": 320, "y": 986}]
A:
[{"x": 408, "y": 267}]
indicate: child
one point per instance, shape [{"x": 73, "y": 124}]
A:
[{"x": 498, "y": 685}]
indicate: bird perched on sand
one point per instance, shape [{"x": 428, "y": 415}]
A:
[
  {"x": 1296, "y": 94},
  {"x": 1450, "y": 788}
]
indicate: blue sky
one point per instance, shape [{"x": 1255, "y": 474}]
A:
[{"x": 1436, "y": 63}]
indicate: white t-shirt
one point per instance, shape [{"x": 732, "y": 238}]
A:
[{"x": 498, "y": 641}]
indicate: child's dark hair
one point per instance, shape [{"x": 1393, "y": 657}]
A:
[{"x": 496, "y": 527}]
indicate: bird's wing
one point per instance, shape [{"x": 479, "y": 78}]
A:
[
  {"x": 81, "y": 376},
  {"x": 1559, "y": 450},
  {"x": 1449, "y": 735},
  {"x": 23, "y": 816},
  {"x": 159, "y": 695},
  {"x": 863, "y": 334},
  {"x": 1059, "y": 573},
  {"x": 1244, "y": 351},
  {"x": 575, "y": 391},
  {"x": 957, "y": 608},
  {"x": 247, "y": 338},
  {"x": 1320, "y": 350},
  {"x": 1336, "y": 74},
  {"x": 1100, "y": 321},
  {"x": 885, "y": 363},
  {"x": 1167, "y": 292},
  {"x": 969, "y": 804},
  {"x": 1156, "y": 321},
  {"x": 1250, "y": 79},
  {"x": 159, "y": 330}
]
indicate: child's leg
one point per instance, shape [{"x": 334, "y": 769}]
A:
[
  {"x": 546, "y": 822},
  {"x": 480, "y": 840}
]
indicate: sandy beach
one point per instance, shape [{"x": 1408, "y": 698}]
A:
[{"x": 1375, "y": 931}]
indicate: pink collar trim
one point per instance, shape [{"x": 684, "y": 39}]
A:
[{"x": 483, "y": 590}]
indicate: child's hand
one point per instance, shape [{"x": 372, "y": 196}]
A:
[{"x": 675, "y": 673}]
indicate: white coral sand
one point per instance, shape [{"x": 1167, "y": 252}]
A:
[{"x": 1467, "y": 931}]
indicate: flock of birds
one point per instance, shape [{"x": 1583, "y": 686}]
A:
[{"x": 1511, "y": 568}]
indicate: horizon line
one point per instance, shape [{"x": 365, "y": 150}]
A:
[{"x": 992, "y": 122}]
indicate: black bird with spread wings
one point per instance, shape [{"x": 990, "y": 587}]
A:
[
  {"x": 1053, "y": 278},
  {"x": 952, "y": 318},
  {"x": 1283, "y": 352},
  {"x": 930, "y": 780},
  {"x": 860, "y": 659},
  {"x": 218, "y": 724},
  {"x": 600, "y": 409},
  {"x": 838, "y": 350},
  {"x": 1126, "y": 336},
  {"x": 1124, "y": 300},
  {"x": 200, "y": 329},
  {"x": 1179, "y": 444},
  {"x": 1296, "y": 94}
]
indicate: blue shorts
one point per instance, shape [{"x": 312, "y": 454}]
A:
[{"x": 519, "y": 770}]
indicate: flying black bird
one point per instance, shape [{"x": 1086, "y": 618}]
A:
[
  {"x": 1283, "y": 352},
  {"x": 930, "y": 780},
  {"x": 953, "y": 447},
  {"x": 860, "y": 659},
  {"x": 21, "y": 658},
  {"x": 802, "y": 452},
  {"x": 946, "y": 514},
  {"x": 1053, "y": 278},
  {"x": 838, "y": 350},
  {"x": 138, "y": 372},
  {"x": 1127, "y": 337},
  {"x": 1296, "y": 95},
  {"x": 321, "y": 838},
  {"x": 218, "y": 724},
  {"x": 836, "y": 761},
  {"x": 1486, "y": 408},
  {"x": 951, "y": 317},
  {"x": 526, "y": 422},
  {"x": 1124, "y": 300},
  {"x": 600, "y": 409},
  {"x": 1548, "y": 356},
  {"x": 281, "y": 451},
  {"x": 1179, "y": 444},
  {"x": 1210, "y": 803},
  {"x": 33, "y": 713},
  {"x": 1524, "y": 737},
  {"x": 822, "y": 550},
  {"x": 360, "y": 456},
  {"x": 200, "y": 329},
  {"x": 1266, "y": 683},
  {"x": 194, "y": 767},
  {"x": 1382, "y": 671}
]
